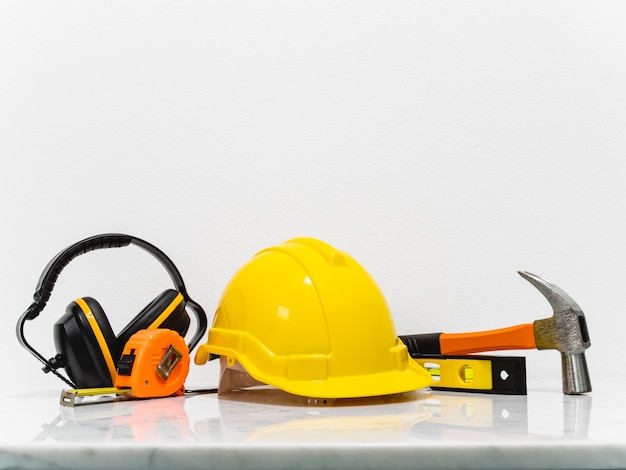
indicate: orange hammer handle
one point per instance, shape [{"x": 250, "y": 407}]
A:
[{"x": 514, "y": 337}]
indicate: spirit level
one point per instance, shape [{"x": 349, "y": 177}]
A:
[{"x": 477, "y": 373}]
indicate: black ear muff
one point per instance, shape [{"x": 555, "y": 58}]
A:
[
  {"x": 86, "y": 342},
  {"x": 167, "y": 310},
  {"x": 86, "y": 345}
]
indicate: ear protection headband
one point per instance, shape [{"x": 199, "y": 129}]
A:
[{"x": 86, "y": 346}]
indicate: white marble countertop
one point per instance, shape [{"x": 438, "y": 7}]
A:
[{"x": 429, "y": 429}]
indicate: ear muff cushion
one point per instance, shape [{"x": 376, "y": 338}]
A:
[
  {"x": 77, "y": 342},
  {"x": 167, "y": 309}
]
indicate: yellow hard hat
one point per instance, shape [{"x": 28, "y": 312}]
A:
[{"x": 308, "y": 319}]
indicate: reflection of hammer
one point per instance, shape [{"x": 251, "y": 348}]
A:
[{"x": 566, "y": 331}]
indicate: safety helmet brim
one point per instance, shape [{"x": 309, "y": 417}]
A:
[
  {"x": 410, "y": 376},
  {"x": 385, "y": 383}
]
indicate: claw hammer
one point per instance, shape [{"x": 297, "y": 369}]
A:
[{"x": 565, "y": 331}]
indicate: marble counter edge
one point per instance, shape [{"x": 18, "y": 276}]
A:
[{"x": 207, "y": 456}]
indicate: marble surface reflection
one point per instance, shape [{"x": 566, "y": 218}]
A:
[
  {"x": 270, "y": 429},
  {"x": 272, "y": 416}
]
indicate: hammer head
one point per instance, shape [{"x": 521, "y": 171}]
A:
[{"x": 565, "y": 331}]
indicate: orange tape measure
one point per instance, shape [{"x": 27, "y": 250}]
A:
[{"x": 154, "y": 364}]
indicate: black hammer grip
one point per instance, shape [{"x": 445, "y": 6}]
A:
[{"x": 422, "y": 345}]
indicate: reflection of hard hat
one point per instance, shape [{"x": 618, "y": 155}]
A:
[{"x": 308, "y": 319}]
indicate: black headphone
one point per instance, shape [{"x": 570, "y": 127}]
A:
[{"x": 86, "y": 345}]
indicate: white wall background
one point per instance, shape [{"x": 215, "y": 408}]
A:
[{"x": 445, "y": 145}]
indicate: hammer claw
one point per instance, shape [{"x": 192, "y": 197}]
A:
[{"x": 557, "y": 297}]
